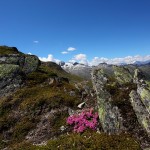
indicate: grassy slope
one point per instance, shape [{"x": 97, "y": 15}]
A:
[
  {"x": 30, "y": 99},
  {"x": 88, "y": 140}
]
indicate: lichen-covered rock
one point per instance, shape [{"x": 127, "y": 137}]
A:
[
  {"x": 16, "y": 59},
  {"x": 140, "y": 100},
  {"x": 123, "y": 99},
  {"x": 10, "y": 78},
  {"x": 7, "y": 69},
  {"x": 143, "y": 89},
  {"x": 142, "y": 114},
  {"x": 145, "y": 97},
  {"x": 138, "y": 75},
  {"x": 122, "y": 74},
  {"x": 109, "y": 115},
  {"x": 31, "y": 63},
  {"x": 14, "y": 66}
]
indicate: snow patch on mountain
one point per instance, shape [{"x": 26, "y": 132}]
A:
[{"x": 78, "y": 69}]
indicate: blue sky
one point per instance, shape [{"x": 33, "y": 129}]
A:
[{"x": 94, "y": 28}]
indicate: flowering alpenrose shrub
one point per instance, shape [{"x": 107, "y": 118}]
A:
[{"x": 83, "y": 121}]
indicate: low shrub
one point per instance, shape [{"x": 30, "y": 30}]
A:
[
  {"x": 87, "y": 141},
  {"x": 83, "y": 121}
]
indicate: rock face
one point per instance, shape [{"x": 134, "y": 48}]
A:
[
  {"x": 13, "y": 68},
  {"x": 123, "y": 97},
  {"x": 140, "y": 100},
  {"x": 109, "y": 115},
  {"x": 10, "y": 78}
]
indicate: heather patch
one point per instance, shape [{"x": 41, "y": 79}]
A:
[{"x": 84, "y": 120}]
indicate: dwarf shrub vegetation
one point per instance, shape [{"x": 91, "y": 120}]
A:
[
  {"x": 83, "y": 121},
  {"x": 89, "y": 140}
]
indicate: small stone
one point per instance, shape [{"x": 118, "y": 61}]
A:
[
  {"x": 72, "y": 93},
  {"x": 81, "y": 105},
  {"x": 62, "y": 128}
]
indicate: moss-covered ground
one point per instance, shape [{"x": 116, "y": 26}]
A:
[
  {"x": 5, "y": 50},
  {"x": 120, "y": 98},
  {"x": 86, "y": 141}
]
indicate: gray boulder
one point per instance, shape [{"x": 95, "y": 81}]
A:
[
  {"x": 140, "y": 100},
  {"x": 31, "y": 63},
  {"x": 14, "y": 66}
]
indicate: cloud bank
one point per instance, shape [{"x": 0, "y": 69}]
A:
[
  {"x": 124, "y": 60},
  {"x": 82, "y": 58}
]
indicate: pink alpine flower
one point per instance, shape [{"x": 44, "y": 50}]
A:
[{"x": 84, "y": 120}]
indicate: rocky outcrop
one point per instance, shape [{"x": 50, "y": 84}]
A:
[
  {"x": 10, "y": 78},
  {"x": 109, "y": 115},
  {"x": 14, "y": 66},
  {"x": 123, "y": 98},
  {"x": 122, "y": 75},
  {"x": 31, "y": 63},
  {"x": 140, "y": 100}
]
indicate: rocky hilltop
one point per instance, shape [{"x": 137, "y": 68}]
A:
[
  {"x": 36, "y": 98},
  {"x": 14, "y": 66}
]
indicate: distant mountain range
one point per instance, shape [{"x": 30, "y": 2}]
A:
[
  {"x": 142, "y": 62},
  {"x": 85, "y": 70}
]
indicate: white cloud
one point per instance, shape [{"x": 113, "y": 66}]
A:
[
  {"x": 64, "y": 52},
  {"x": 36, "y": 42},
  {"x": 30, "y": 53},
  {"x": 71, "y": 49},
  {"x": 81, "y": 58},
  {"x": 49, "y": 58}
]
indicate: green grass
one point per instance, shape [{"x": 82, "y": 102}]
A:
[
  {"x": 31, "y": 99},
  {"x": 44, "y": 72},
  {"x": 54, "y": 98},
  {"x": 5, "y": 50},
  {"x": 86, "y": 141},
  {"x": 22, "y": 127}
]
